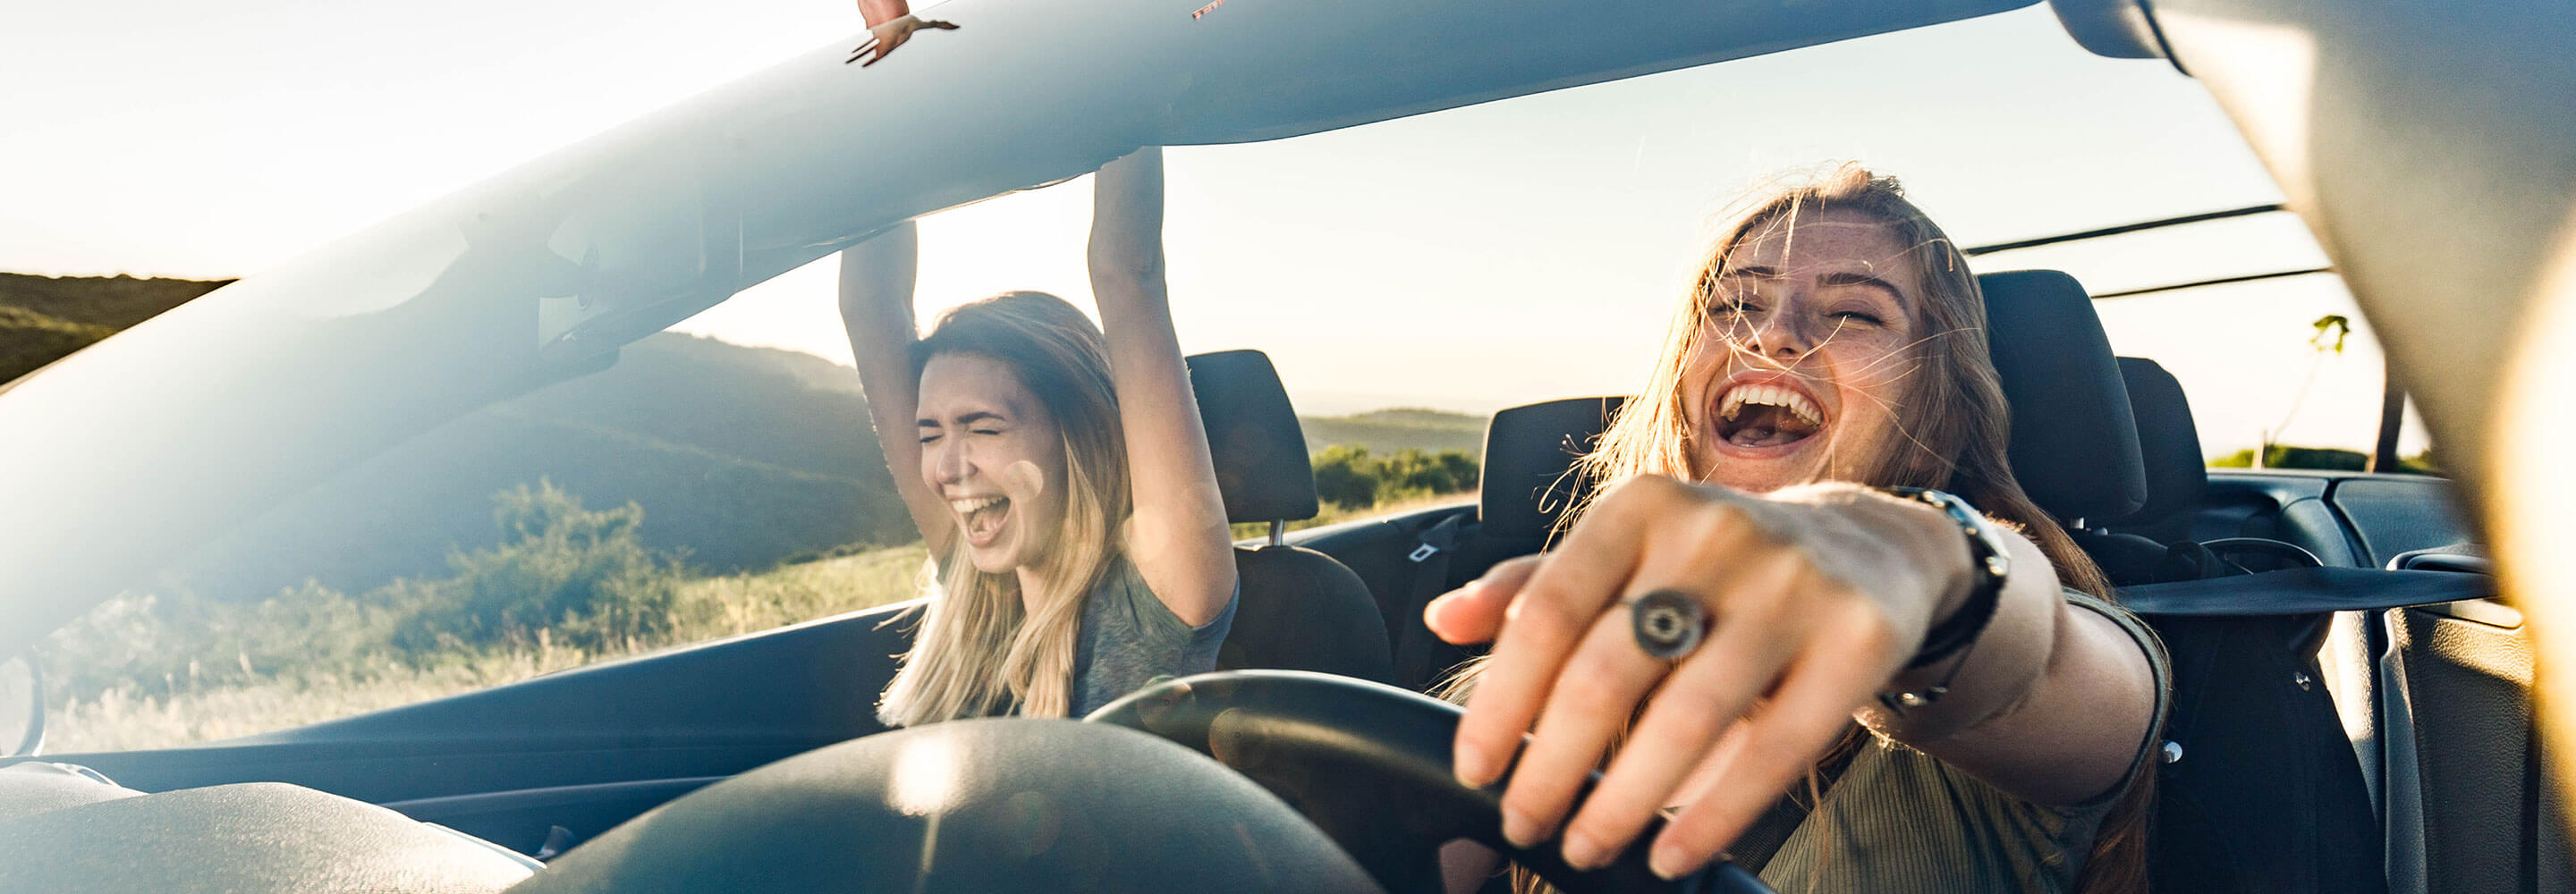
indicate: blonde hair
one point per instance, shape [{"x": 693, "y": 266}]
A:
[
  {"x": 1952, "y": 414},
  {"x": 978, "y": 651}
]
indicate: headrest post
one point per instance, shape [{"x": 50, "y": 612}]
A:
[{"x": 1278, "y": 532}]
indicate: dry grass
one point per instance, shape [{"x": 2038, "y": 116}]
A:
[
  {"x": 715, "y": 607},
  {"x": 725, "y": 606}
]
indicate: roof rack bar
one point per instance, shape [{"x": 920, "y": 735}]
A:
[
  {"x": 2124, "y": 228},
  {"x": 2224, "y": 280}
]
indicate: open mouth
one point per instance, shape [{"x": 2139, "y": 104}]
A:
[
  {"x": 1757, "y": 415},
  {"x": 982, "y": 517}
]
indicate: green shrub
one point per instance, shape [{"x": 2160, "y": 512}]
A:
[
  {"x": 2284, "y": 456},
  {"x": 1347, "y": 476},
  {"x": 582, "y": 576}
]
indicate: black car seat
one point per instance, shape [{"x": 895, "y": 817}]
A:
[
  {"x": 1299, "y": 609},
  {"x": 2258, "y": 790},
  {"x": 2155, "y": 543},
  {"x": 2140, "y": 549},
  {"x": 1526, "y": 484},
  {"x": 2074, "y": 443},
  {"x": 2169, "y": 446}
]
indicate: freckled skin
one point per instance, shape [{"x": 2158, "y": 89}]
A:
[
  {"x": 1844, "y": 342},
  {"x": 992, "y": 438}
]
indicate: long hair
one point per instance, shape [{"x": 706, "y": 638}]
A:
[
  {"x": 978, "y": 650},
  {"x": 1954, "y": 423},
  {"x": 1952, "y": 414}
]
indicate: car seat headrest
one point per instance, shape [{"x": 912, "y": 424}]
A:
[
  {"x": 1529, "y": 450},
  {"x": 2074, "y": 444},
  {"x": 2168, "y": 443},
  {"x": 1260, "y": 451}
]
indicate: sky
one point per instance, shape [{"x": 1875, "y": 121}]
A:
[{"x": 1471, "y": 259}]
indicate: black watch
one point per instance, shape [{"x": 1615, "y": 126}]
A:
[{"x": 1988, "y": 562}]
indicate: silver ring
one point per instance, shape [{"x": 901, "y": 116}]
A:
[{"x": 1668, "y": 624}]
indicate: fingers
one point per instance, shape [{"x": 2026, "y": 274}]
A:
[
  {"x": 1745, "y": 654},
  {"x": 1552, "y": 612},
  {"x": 1813, "y": 705},
  {"x": 1589, "y": 704},
  {"x": 885, "y": 42},
  {"x": 1472, "y": 613}
]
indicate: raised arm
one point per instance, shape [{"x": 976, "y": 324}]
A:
[
  {"x": 890, "y": 23},
  {"x": 879, "y": 12},
  {"x": 876, "y": 308},
  {"x": 1179, "y": 538}
]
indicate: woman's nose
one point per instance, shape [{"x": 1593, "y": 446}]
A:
[
  {"x": 1785, "y": 334},
  {"x": 949, "y": 462}
]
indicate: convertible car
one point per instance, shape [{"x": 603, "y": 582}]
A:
[{"x": 2359, "y": 705}]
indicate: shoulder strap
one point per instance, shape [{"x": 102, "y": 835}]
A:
[
  {"x": 2299, "y": 591},
  {"x": 1416, "y": 647},
  {"x": 1760, "y": 842}
]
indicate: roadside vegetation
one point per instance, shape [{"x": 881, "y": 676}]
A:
[
  {"x": 566, "y": 585},
  {"x": 2283, "y": 456},
  {"x": 563, "y": 586}
]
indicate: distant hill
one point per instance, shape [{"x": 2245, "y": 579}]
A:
[
  {"x": 741, "y": 457},
  {"x": 738, "y": 460},
  {"x": 43, "y": 318},
  {"x": 1386, "y": 431}
]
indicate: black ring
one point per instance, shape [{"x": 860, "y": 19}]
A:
[{"x": 1668, "y": 624}]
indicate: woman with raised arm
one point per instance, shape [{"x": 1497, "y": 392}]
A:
[
  {"x": 1061, "y": 478},
  {"x": 1767, "y": 602}
]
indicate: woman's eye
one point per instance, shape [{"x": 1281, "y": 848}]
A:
[
  {"x": 1853, "y": 316},
  {"x": 984, "y": 431},
  {"x": 1733, "y": 307},
  {"x": 926, "y": 439}
]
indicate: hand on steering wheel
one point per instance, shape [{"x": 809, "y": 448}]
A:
[
  {"x": 1369, "y": 764},
  {"x": 1813, "y": 599}
]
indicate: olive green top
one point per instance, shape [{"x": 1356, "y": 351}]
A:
[{"x": 1896, "y": 820}]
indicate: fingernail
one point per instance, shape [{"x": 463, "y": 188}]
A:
[
  {"x": 1584, "y": 853},
  {"x": 1520, "y": 829},
  {"x": 1669, "y": 862},
  {"x": 1431, "y": 610},
  {"x": 1473, "y": 768}
]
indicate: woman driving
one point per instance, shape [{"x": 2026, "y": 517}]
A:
[
  {"x": 1765, "y": 594},
  {"x": 1061, "y": 478}
]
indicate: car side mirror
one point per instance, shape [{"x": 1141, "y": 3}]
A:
[{"x": 22, "y": 706}]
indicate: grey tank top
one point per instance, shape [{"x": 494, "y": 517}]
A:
[{"x": 1130, "y": 638}]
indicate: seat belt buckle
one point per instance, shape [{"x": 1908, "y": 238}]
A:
[{"x": 1422, "y": 552}]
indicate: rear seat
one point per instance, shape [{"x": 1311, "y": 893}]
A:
[
  {"x": 2258, "y": 790},
  {"x": 1523, "y": 488},
  {"x": 1527, "y": 484},
  {"x": 2181, "y": 506},
  {"x": 1299, "y": 609}
]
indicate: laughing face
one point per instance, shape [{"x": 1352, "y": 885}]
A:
[
  {"x": 991, "y": 450},
  {"x": 1803, "y": 354}
]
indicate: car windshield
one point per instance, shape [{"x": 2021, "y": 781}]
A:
[{"x": 1408, "y": 277}]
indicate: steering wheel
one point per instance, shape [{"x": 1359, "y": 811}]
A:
[{"x": 1369, "y": 764}]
